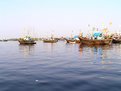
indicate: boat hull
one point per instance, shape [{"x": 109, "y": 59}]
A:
[
  {"x": 116, "y": 41},
  {"x": 95, "y": 42}
]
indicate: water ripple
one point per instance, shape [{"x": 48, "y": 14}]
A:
[{"x": 59, "y": 67}]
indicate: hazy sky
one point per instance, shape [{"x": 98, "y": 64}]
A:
[{"x": 61, "y": 17}]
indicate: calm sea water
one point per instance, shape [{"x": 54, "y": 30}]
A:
[{"x": 59, "y": 67}]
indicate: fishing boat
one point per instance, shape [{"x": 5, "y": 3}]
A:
[
  {"x": 116, "y": 41},
  {"x": 72, "y": 40},
  {"x": 50, "y": 40},
  {"x": 27, "y": 40},
  {"x": 4, "y": 40},
  {"x": 96, "y": 39},
  {"x": 87, "y": 41},
  {"x": 116, "y": 38}
]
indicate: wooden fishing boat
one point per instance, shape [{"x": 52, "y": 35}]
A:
[
  {"x": 50, "y": 40},
  {"x": 116, "y": 41},
  {"x": 26, "y": 40},
  {"x": 21, "y": 41},
  {"x": 4, "y": 40},
  {"x": 72, "y": 41},
  {"x": 116, "y": 38},
  {"x": 87, "y": 41}
]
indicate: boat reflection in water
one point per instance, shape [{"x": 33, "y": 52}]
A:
[
  {"x": 49, "y": 47},
  {"x": 26, "y": 50},
  {"x": 97, "y": 54}
]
